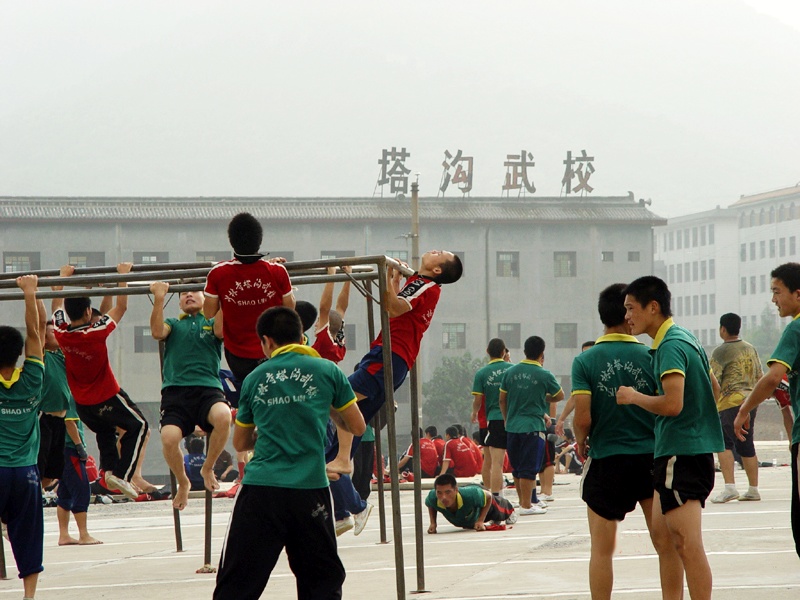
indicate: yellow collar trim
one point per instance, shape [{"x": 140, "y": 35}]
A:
[
  {"x": 797, "y": 316},
  {"x": 531, "y": 362},
  {"x": 7, "y": 383},
  {"x": 617, "y": 337},
  {"x": 183, "y": 315},
  {"x": 494, "y": 360},
  {"x": 298, "y": 348},
  {"x": 662, "y": 331},
  {"x": 459, "y": 502}
]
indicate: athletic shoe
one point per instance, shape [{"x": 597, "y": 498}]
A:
[
  {"x": 113, "y": 482},
  {"x": 750, "y": 496},
  {"x": 541, "y": 503},
  {"x": 361, "y": 519},
  {"x": 512, "y": 518},
  {"x": 344, "y": 525},
  {"x": 546, "y": 498},
  {"x": 533, "y": 510},
  {"x": 725, "y": 495}
]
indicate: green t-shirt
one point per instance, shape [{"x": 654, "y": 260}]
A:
[
  {"x": 616, "y": 360},
  {"x": 470, "y": 501},
  {"x": 20, "y": 398},
  {"x": 72, "y": 415},
  {"x": 787, "y": 353},
  {"x": 55, "y": 389},
  {"x": 527, "y": 385},
  {"x": 487, "y": 383},
  {"x": 289, "y": 398},
  {"x": 192, "y": 352},
  {"x": 369, "y": 434},
  {"x": 696, "y": 429}
]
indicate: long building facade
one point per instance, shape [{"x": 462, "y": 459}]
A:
[{"x": 533, "y": 266}]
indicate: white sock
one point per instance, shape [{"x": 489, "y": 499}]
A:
[
  {"x": 752, "y": 489},
  {"x": 730, "y": 486}
]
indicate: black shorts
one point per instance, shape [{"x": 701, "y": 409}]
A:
[
  {"x": 745, "y": 448},
  {"x": 51, "y": 446},
  {"x": 612, "y": 486},
  {"x": 187, "y": 406},
  {"x": 678, "y": 479},
  {"x": 496, "y": 436},
  {"x": 241, "y": 367}
]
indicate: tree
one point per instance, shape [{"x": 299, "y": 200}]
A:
[
  {"x": 448, "y": 394},
  {"x": 765, "y": 335}
]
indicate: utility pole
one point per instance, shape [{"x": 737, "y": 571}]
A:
[{"x": 415, "y": 224}]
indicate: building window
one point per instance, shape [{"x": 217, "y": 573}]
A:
[
  {"x": 679, "y": 306},
  {"x": 566, "y": 335},
  {"x": 711, "y": 235},
  {"x": 694, "y": 271},
  {"x": 680, "y": 272},
  {"x": 87, "y": 259},
  {"x": 762, "y": 249},
  {"x": 565, "y": 264},
  {"x": 772, "y": 248},
  {"x": 761, "y": 217},
  {"x": 671, "y": 240},
  {"x": 20, "y": 262},
  {"x": 792, "y": 245},
  {"x": 508, "y": 264},
  {"x": 634, "y": 256},
  {"x": 695, "y": 305},
  {"x": 703, "y": 235},
  {"x": 678, "y": 239},
  {"x": 762, "y": 281},
  {"x": 329, "y": 254},
  {"x": 510, "y": 333},
  {"x": 694, "y": 237},
  {"x": 350, "y": 338},
  {"x": 792, "y": 211},
  {"x": 212, "y": 256},
  {"x": 143, "y": 341},
  {"x": 771, "y": 214},
  {"x": 703, "y": 304},
  {"x": 753, "y": 284},
  {"x": 150, "y": 258},
  {"x": 703, "y": 270},
  {"x": 743, "y": 253},
  {"x": 781, "y": 213},
  {"x": 744, "y": 321},
  {"x": 672, "y": 273},
  {"x": 782, "y": 247},
  {"x": 712, "y": 268},
  {"x": 743, "y": 286},
  {"x": 712, "y": 304},
  {"x": 752, "y": 250},
  {"x": 752, "y": 218},
  {"x": 287, "y": 254},
  {"x": 454, "y": 336},
  {"x": 704, "y": 336},
  {"x": 398, "y": 255},
  {"x": 607, "y": 257},
  {"x": 664, "y": 242}
]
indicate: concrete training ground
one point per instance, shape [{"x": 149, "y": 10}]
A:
[{"x": 749, "y": 545}]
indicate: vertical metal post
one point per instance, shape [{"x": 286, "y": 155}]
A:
[
  {"x": 378, "y": 421},
  {"x": 415, "y": 427},
  {"x": 207, "y": 567},
  {"x": 391, "y": 430},
  {"x": 176, "y": 514},
  {"x": 3, "y": 573}
]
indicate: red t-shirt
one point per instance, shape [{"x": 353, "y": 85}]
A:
[
  {"x": 482, "y": 422},
  {"x": 428, "y": 457},
  {"x": 326, "y": 345},
  {"x": 244, "y": 292},
  {"x": 439, "y": 443},
  {"x": 462, "y": 461},
  {"x": 89, "y": 373},
  {"x": 476, "y": 452},
  {"x": 422, "y": 295}
]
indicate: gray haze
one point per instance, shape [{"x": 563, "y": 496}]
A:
[{"x": 690, "y": 103}]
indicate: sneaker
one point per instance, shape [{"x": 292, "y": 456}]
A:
[
  {"x": 541, "y": 503},
  {"x": 533, "y": 510},
  {"x": 113, "y": 482},
  {"x": 546, "y": 498},
  {"x": 361, "y": 519},
  {"x": 344, "y": 525},
  {"x": 512, "y": 518},
  {"x": 724, "y": 496},
  {"x": 750, "y": 496}
]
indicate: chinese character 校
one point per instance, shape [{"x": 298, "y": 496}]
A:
[
  {"x": 517, "y": 172},
  {"x": 393, "y": 171},
  {"x": 583, "y": 175},
  {"x": 462, "y": 174}
]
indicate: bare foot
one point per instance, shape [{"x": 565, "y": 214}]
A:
[
  {"x": 143, "y": 485},
  {"x": 67, "y": 541},
  {"x": 209, "y": 479},
  {"x": 340, "y": 465},
  {"x": 87, "y": 540},
  {"x": 181, "y": 498}
]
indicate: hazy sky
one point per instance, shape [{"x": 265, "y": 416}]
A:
[{"x": 690, "y": 103}]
